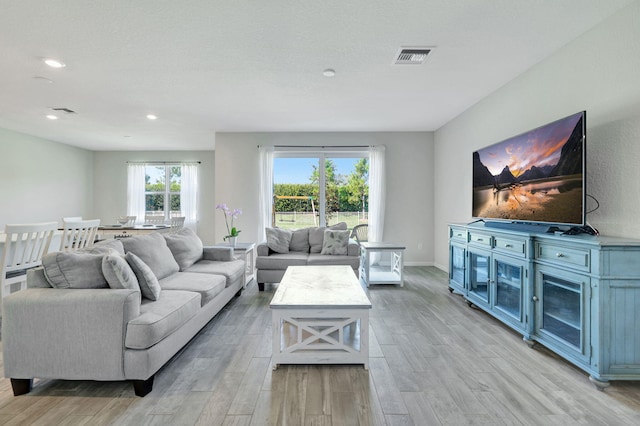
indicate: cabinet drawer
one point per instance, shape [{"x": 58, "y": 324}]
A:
[
  {"x": 561, "y": 255},
  {"x": 511, "y": 246},
  {"x": 458, "y": 234},
  {"x": 480, "y": 239}
]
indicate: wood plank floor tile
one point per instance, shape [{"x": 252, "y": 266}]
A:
[{"x": 433, "y": 361}]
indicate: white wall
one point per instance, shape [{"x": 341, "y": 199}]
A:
[
  {"x": 43, "y": 181},
  {"x": 409, "y": 166},
  {"x": 110, "y": 176},
  {"x": 597, "y": 72}
]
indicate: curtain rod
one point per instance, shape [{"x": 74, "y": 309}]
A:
[{"x": 164, "y": 162}]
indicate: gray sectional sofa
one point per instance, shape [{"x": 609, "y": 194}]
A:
[
  {"x": 309, "y": 246},
  {"x": 118, "y": 311}
]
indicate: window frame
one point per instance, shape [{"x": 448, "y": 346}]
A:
[
  {"x": 167, "y": 193},
  {"x": 322, "y": 154}
]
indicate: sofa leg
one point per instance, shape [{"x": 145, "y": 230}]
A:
[
  {"x": 21, "y": 386},
  {"x": 239, "y": 293},
  {"x": 143, "y": 387},
  {"x": 260, "y": 286}
]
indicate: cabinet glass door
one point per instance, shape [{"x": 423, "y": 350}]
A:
[
  {"x": 562, "y": 309},
  {"x": 457, "y": 266},
  {"x": 479, "y": 276},
  {"x": 509, "y": 288}
]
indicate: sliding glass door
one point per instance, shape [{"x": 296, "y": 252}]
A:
[{"x": 320, "y": 188}]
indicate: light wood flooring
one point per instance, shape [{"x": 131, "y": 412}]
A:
[{"x": 433, "y": 361}]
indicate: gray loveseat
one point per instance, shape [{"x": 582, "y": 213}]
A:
[
  {"x": 118, "y": 311},
  {"x": 308, "y": 246}
]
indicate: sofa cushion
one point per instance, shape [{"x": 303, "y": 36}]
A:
[
  {"x": 152, "y": 249},
  {"x": 328, "y": 259},
  {"x": 208, "y": 285},
  {"x": 103, "y": 247},
  {"x": 300, "y": 240},
  {"x": 185, "y": 246},
  {"x": 118, "y": 273},
  {"x": 335, "y": 242},
  {"x": 279, "y": 261},
  {"x": 159, "y": 319},
  {"x": 68, "y": 269},
  {"x": 148, "y": 282},
  {"x": 316, "y": 236},
  {"x": 231, "y": 270},
  {"x": 278, "y": 239}
]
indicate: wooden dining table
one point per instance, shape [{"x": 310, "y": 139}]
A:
[{"x": 120, "y": 231}]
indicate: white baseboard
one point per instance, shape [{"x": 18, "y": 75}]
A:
[{"x": 418, "y": 264}]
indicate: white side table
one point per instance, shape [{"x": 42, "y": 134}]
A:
[
  {"x": 246, "y": 252},
  {"x": 387, "y": 269}
]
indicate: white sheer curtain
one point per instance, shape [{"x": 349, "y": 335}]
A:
[
  {"x": 189, "y": 195},
  {"x": 377, "y": 192},
  {"x": 135, "y": 192},
  {"x": 266, "y": 189}
]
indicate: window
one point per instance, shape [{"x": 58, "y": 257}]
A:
[
  {"x": 162, "y": 190},
  {"x": 159, "y": 191},
  {"x": 320, "y": 188}
]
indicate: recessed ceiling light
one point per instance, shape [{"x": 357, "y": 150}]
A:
[
  {"x": 151, "y": 117},
  {"x": 52, "y": 117},
  {"x": 329, "y": 72},
  {"x": 54, "y": 63}
]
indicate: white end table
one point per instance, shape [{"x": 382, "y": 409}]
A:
[
  {"x": 386, "y": 271},
  {"x": 246, "y": 252}
]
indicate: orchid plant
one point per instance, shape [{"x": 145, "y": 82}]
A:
[{"x": 231, "y": 231}]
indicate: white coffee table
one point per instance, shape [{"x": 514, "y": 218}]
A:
[{"x": 320, "y": 316}]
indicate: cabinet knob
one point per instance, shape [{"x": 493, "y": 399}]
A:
[
  {"x": 535, "y": 298},
  {"x": 559, "y": 255},
  {"x": 508, "y": 246},
  {"x": 480, "y": 239}
]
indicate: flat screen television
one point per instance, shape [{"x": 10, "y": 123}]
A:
[{"x": 537, "y": 176}]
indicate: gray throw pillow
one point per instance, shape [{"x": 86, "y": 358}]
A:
[
  {"x": 278, "y": 239},
  {"x": 335, "y": 242},
  {"x": 118, "y": 273},
  {"x": 103, "y": 247},
  {"x": 316, "y": 236},
  {"x": 185, "y": 246},
  {"x": 300, "y": 240},
  {"x": 149, "y": 285},
  {"x": 68, "y": 269},
  {"x": 152, "y": 249}
]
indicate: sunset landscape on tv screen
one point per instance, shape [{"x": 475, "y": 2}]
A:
[{"x": 537, "y": 176}]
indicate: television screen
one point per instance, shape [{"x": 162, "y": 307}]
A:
[{"x": 538, "y": 176}]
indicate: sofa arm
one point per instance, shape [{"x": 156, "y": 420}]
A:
[
  {"x": 262, "y": 249},
  {"x": 353, "y": 249},
  {"x": 67, "y": 333},
  {"x": 224, "y": 254}
]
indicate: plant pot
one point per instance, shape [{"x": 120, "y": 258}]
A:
[{"x": 232, "y": 241}]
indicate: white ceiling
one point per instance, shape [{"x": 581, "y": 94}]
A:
[{"x": 206, "y": 66}]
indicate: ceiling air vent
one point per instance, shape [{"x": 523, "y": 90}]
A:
[
  {"x": 412, "y": 55},
  {"x": 65, "y": 110}
]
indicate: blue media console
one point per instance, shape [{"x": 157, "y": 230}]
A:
[{"x": 578, "y": 295}]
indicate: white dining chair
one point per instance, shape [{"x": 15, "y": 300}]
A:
[
  {"x": 177, "y": 223},
  {"x": 78, "y": 234},
  {"x": 154, "y": 220},
  {"x": 24, "y": 247}
]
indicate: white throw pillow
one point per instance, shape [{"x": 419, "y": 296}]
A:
[
  {"x": 335, "y": 242},
  {"x": 278, "y": 239}
]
